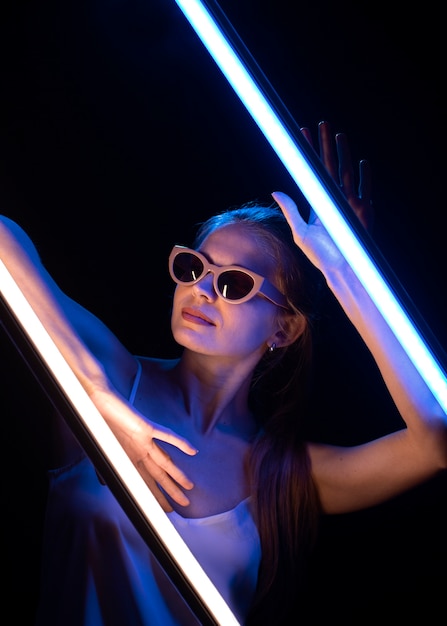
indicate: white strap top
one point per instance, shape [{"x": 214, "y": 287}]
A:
[{"x": 136, "y": 382}]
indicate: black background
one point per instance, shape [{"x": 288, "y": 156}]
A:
[{"x": 118, "y": 134}]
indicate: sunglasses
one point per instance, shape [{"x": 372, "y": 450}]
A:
[{"x": 231, "y": 283}]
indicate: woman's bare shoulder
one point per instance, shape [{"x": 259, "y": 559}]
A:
[{"x": 154, "y": 365}]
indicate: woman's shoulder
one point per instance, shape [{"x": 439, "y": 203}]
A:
[
  {"x": 155, "y": 365},
  {"x": 155, "y": 372},
  {"x": 154, "y": 383}
]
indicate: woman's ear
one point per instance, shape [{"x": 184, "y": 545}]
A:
[{"x": 291, "y": 328}]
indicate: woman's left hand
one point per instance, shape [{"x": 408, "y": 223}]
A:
[
  {"x": 311, "y": 236},
  {"x": 339, "y": 165}
]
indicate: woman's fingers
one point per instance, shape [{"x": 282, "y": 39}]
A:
[
  {"x": 154, "y": 488},
  {"x": 169, "y": 436},
  {"x": 291, "y": 213},
  {"x": 157, "y": 478},
  {"x": 346, "y": 171},
  {"x": 327, "y": 151},
  {"x": 163, "y": 465},
  {"x": 359, "y": 197},
  {"x": 365, "y": 185},
  {"x": 307, "y": 134}
]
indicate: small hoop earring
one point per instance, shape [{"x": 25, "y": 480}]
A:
[{"x": 272, "y": 348}]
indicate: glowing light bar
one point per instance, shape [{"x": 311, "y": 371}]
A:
[
  {"x": 292, "y": 156},
  {"x": 113, "y": 451}
]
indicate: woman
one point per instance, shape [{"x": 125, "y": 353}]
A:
[{"x": 248, "y": 503}]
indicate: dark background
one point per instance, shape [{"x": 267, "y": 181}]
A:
[{"x": 118, "y": 134}]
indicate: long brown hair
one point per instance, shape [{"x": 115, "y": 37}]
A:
[{"x": 285, "y": 500}]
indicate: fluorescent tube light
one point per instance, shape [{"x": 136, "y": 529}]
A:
[
  {"x": 219, "y": 611},
  {"x": 254, "y": 98}
]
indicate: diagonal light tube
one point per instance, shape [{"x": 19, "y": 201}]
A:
[
  {"x": 202, "y": 587},
  {"x": 287, "y": 149}
]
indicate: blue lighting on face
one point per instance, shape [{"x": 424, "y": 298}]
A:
[{"x": 293, "y": 158}]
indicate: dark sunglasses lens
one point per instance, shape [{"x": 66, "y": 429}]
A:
[
  {"x": 234, "y": 285},
  {"x": 187, "y": 267}
]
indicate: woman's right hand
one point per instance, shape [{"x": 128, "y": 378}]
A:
[{"x": 138, "y": 436}]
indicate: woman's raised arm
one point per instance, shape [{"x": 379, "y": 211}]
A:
[
  {"x": 101, "y": 363},
  {"x": 361, "y": 476}
]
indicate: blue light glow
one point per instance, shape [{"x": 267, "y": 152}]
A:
[{"x": 252, "y": 96}]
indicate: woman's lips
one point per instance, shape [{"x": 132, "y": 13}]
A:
[{"x": 196, "y": 317}]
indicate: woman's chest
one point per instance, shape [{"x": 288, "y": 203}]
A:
[{"x": 217, "y": 470}]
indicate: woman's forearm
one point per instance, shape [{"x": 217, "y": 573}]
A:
[
  {"x": 21, "y": 259},
  {"x": 409, "y": 391}
]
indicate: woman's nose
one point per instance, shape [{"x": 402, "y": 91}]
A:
[{"x": 205, "y": 286}]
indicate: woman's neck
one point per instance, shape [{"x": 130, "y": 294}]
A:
[{"x": 215, "y": 393}]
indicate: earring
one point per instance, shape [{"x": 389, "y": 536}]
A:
[{"x": 272, "y": 348}]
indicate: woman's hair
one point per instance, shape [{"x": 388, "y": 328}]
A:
[{"x": 286, "y": 505}]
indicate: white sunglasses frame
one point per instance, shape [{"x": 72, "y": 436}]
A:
[{"x": 260, "y": 284}]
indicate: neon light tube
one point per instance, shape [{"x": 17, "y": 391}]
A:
[
  {"x": 254, "y": 98},
  {"x": 219, "y": 611}
]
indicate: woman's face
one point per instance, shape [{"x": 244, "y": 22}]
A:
[{"x": 205, "y": 323}]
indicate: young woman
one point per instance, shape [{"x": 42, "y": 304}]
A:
[{"x": 219, "y": 433}]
